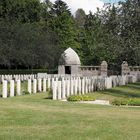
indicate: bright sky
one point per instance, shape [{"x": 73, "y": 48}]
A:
[{"x": 86, "y": 5}]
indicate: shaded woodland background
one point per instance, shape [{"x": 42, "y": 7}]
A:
[{"x": 33, "y": 35}]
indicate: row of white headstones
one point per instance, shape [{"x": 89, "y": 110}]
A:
[
  {"x": 65, "y": 86},
  {"x": 77, "y": 86},
  {"x": 34, "y": 86},
  {"x": 22, "y": 77}
]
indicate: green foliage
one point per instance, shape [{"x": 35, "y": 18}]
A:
[
  {"x": 134, "y": 102},
  {"x": 116, "y": 102},
  {"x": 34, "y": 34},
  {"x": 25, "y": 93},
  {"x": 119, "y": 102},
  {"x": 131, "y": 102},
  {"x": 80, "y": 17},
  {"x": 74, "y": 98},
  {"x": 63, "y": 24},
  {"x": 20, "y": 10},
  {"x": 81, "y": 98}
]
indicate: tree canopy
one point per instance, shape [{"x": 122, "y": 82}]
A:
[{"x": 34, "y": 34}]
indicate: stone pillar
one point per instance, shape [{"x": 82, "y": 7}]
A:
[
  {"x": 34, "y": 85},
  {"x": 103, "y": 70},
  {"x": 54, "y": 91},
  {"x": 59, "y": 90},
  {"x": 39, "y": 85},
  {"x": 4, "y": 89},
  {"x": 29, "y": 86},
  {"x": 12, "y": 86},
  {"x": 18, "y": 87},
  {"x": 125, "y": 68},
  {"x": 44, "y": 85}
]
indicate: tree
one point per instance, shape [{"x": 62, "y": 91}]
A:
[
  {"x": 20, "y": 10},
  {"x": 130, "y": 31},
  {"x": 80, "y": 17},
  {"x": 62, "y": 23}
]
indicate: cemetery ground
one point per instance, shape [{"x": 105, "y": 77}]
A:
[{"x": 36, "y": 117}]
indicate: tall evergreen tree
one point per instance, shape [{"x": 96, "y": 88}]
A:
[
  {"x": 63, "y": 24},
  {"x": 80, "y": 16}
]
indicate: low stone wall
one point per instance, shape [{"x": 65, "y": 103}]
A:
[{"x": 101, "y": 70}]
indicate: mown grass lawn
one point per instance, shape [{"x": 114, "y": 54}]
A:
[
  {"x": 34, "y": 117},
  {"x": 130, "y": 91}
]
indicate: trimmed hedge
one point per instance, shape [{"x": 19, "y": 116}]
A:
[
  {"x": 134, "y": 102},
  {"x": 130, "y": 102},
  {"x": 81, "y": 98},
  {"x": 27, "y": 71}
]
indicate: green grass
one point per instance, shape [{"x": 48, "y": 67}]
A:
[
  {"x": 123, "y": 92},
  {"x": 33, "y": 117}
]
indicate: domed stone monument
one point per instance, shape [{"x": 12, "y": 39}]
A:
[{"x": 69, "y": 62}]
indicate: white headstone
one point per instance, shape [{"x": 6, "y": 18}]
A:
[
  {"x": 44, "y": 85},
  {"x": 54, "y": 91},
  {"x": 68, "y": 88},
  {"x": 39, "y": 85},
  {"x": 83, "y": 86},
  {"x": 12, "y": 85},
  {"x": 29, "y": 86},
  {"x": 18, "y": 87},
  {"x": 59, "y": 90},
  {"x": 79, "y": 85},
  {"x": 63, "y": 89},
  {"x": 71, "y": 87},
  {"x": 75, "y": 86},
  {"x": 4, "y": 89},
  {"x": 34, "y": 85}
]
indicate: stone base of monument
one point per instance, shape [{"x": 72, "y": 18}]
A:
[{"x": 98, "y": 102}]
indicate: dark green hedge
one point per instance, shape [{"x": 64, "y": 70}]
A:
[
  {"x": 81, "y": 98},
  {"x": 130, "y": 102},
  {"x": 26, "y": 71}
]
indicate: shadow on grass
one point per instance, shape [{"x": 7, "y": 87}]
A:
[
  {"x": 134, "y": 86},
  {"x": 48, "y": 98},
  {"x": 137, "y": 84},
  {"x": 120, "y": 93}
]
